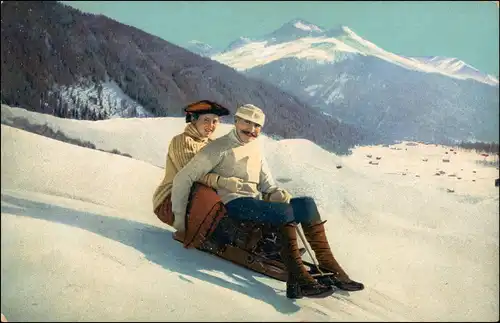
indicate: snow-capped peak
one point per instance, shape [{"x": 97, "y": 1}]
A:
[
  {"x": 200, "y": 48},
  {"x": 200, "y": 44},
  {"x": 241, "y": 41},
  {"x": 449, "y": 63},
  {"x": 307, "y": 27},
  {"x": 347, "y": 30},
  {"x": 455, "y": 66},
  {"x": 194, "y": 41},
  {"x": 338, "y": 31},
  {"x": 303, "y": 40},
  {"x": 293, "y": 30}
]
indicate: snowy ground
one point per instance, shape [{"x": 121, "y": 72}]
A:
[{"x": 79, "y": 240}]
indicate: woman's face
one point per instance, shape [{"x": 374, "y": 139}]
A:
[{"x": 206, "y": 124}]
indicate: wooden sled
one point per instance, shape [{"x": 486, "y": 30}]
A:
[
  {"x": 255, "y": 246},
  {"x": 250, "y": 245}
]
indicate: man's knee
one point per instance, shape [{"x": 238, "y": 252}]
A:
[
  {"x": 305, "y": 209},
  {"x": 281, "y": 213},
  {"x": 305, "y": 201},
  {"x": 289, "y": 214}
]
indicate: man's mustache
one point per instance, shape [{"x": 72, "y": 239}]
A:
[{"x": 248, "y": 133}]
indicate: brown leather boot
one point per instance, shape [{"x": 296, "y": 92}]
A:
[
  {"x": 300, "y": 283},
  {"x": 316, "y": 236}
]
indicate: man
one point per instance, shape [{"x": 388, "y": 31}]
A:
[{"x": 238, "y": 155}]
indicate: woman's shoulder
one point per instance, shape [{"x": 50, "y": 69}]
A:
[
  {"x": 179, "y": 141},
  {"x": 181, "y": 138}
]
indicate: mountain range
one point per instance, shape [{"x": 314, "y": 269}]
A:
[
  {"x": 389, "y": 96},
  {"x": 60, "y": 61}
]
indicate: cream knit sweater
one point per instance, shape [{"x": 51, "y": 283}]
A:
[
  {"x": 226, "y": 156},
  {"x": 181, "y": 150}
]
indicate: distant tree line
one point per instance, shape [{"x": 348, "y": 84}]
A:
[
  {"x": 75, "y": 109},
  {"x": 46, "y": 131},
  {"x": 479, "y": 147}
]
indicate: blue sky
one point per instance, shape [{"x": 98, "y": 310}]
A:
[{"x": 467, "y": 30}]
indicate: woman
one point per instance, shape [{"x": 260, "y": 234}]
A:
[{"x": 202, "y": 119}]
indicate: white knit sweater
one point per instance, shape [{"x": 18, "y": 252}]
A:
[{"x": 226, "y": 156}]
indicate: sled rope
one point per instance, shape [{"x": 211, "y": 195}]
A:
[{"x": 306, "y": 245}]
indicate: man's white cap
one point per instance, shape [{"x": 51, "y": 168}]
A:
[{"x": 251, "y": 113}]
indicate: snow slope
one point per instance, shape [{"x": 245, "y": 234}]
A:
[
  {"x": 314, "y": 43},
  {"x": 144, "y": 143},
  {"x": 80, "y": 242}
]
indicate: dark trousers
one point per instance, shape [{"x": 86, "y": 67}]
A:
[{"x": 300, "y": 210}]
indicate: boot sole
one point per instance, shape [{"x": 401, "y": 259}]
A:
[
  {"x": 354, "y": 289},
  {"x": 300, "y": 294},
  {"x": 322, "y": 295},
  {"x": 327, "y": 280}
]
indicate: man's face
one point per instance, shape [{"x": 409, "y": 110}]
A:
[{"x": 247, "y": 131}]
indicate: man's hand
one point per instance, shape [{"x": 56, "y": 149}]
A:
[
  {"x": 280, "y": 195},
  {"x": 232, "y": 184},
  {"x": 180, "y": 222}
]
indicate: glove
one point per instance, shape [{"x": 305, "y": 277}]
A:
[
  {"x": 280, "y": 195},
  {"x": 232, "y": 184},
  {"x": 180, "y": 222}
]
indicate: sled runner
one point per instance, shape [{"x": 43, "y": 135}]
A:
[{"x": 253, "y": 245}]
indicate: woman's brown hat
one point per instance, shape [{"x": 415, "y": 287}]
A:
[{"x": 206, "y": 106}]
